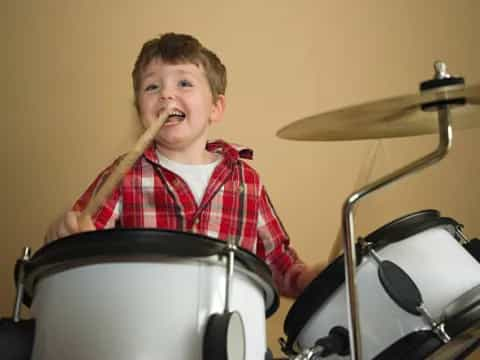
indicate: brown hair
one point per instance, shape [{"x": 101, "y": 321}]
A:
[{"x": 181, "y": 48}]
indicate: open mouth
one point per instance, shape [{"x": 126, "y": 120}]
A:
[{"x": 175, "y": 116}]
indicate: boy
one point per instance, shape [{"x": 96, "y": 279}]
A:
[{"x": 182, "y": 181}]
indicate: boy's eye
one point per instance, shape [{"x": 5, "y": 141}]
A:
[
  {"x": 184, "y": 83},
  {"x": 151, "y": 87}
]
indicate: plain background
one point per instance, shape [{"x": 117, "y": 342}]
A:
[{"x": 67, "y": 105}]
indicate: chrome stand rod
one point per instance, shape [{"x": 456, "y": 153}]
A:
[
  {"x": 445, "y": 142},
  {"x": 229, "y": 275}
]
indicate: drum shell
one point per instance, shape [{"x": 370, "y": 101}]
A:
[
  {"x": 147, "y": 309},
  {"x": 440, "y": 267}
]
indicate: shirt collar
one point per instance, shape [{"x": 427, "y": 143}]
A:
[{"x": 231, "y": 152}]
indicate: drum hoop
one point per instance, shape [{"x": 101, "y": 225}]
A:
[
  {"x": 465, "y": 310},
  {"x": 407, "y": 226},
  {"x": 422, "y": 343},
  {"x": 92, "y": 247},
  {"x": 330, "y": 279}
]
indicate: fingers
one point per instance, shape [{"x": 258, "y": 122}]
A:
[
  {"x": 84, "y": 223},
  {"x": 53, "y": 230},
  {"x": 68, "y": 224}
]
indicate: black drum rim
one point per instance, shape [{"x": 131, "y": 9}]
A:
[{"x": 98, "y": 246}]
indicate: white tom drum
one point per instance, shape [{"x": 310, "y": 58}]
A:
[
  {"x": 141, "y": 294},
  {"x": 422, "y": 247}
]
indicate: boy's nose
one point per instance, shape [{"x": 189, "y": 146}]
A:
[{"x": 167, "y": 93}]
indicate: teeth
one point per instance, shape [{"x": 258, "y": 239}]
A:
[{"x": 176, "y": 113}]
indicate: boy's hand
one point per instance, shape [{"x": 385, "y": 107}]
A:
[
  {"x": 68, "y": 224},
  {"x": 309, "y": 274}
]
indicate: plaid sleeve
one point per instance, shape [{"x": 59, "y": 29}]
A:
[
  {"x": 108, "y": 214},
  {"x": 279, "y": 255}
]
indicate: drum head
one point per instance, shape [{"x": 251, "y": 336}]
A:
[{"x": 116, "y": 245}]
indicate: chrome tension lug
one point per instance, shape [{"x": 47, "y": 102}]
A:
[{"x": 437, "y": 328}]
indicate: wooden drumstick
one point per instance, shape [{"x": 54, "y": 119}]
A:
[
  {"x": 363, "y": 177},
  {"x": 126, "y": 162}
]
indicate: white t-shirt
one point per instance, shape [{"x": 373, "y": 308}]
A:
[{"x": 196, "y": 176}]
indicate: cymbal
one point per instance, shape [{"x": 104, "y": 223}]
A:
[{"x": 392, "y": 117}]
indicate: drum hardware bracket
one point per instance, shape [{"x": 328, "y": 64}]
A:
[
  {"x": 24, "y": 258},
  {"x": 399, "y": 285},
  {"x": 433, "y": 106},
  {"x": 437, "y": 328},
  {"x": 462, "y": 239},
  {"x": 374, "y": 254},
  {"x": 365, "y": 246},
  {"x": 442, "y": 79},
  {"x": 295, "y": 354},
  {"x": 309, "y": 353},
  {"x": 284, "y": 347},
  {"x": 216, "y": 337},
  {"x": 336, "y": 342}
]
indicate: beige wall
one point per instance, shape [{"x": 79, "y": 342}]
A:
[{"x": 67, "y": 104}]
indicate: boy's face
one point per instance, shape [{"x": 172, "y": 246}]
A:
[{"x": 184, "y": 90}]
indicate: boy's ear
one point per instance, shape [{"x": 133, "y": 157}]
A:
[{"x": 218, "y": 109}]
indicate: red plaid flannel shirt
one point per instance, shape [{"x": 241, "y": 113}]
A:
[{"x": 235, "y": 204}]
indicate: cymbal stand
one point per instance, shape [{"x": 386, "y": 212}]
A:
[{"x": 445, "y": 142}]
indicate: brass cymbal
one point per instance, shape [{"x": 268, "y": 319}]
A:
[{"x": 392, "y": 117}]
